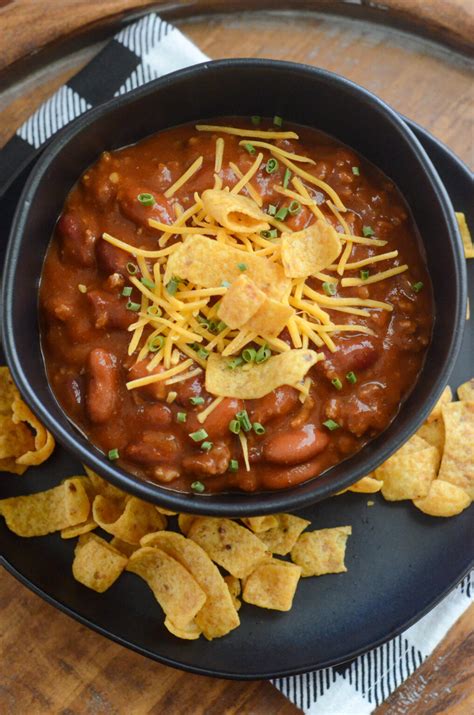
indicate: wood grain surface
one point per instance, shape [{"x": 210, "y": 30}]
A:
[{"x": 49, "y": 663}]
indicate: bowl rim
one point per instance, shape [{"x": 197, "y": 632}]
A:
[{"x": 232, "y": 504}]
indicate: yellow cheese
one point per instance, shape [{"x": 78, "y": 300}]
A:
[
  {"x": 193, "y": 169},
  {"x": 237, "y": 131},
  {"x": 375, "y": 278}
]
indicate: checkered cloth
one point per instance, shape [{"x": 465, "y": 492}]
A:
[{"x": 139, "y": 53}]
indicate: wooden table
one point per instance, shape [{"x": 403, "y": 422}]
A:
[{"x": 49, "y": 663}]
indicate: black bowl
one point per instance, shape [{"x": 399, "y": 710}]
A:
[{"x": 231, "y": 87}]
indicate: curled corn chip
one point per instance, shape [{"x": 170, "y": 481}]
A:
[
  {"x": 77, "y": 500},
  {"x": 287, "y": 368},
  {"x": 446, "y": 396},
  {"x": 97, "y": 564},
  {"x": 190, "y": 633},
  {"x": 218, "y": 616},
  {"x": 8, "y": 391},
  {"x": 207, "y": 263},
  {"x": 235, "y": 589},
  {"x": 408, "y": 475},
  {"x": 257, "y": 524},
  {"x": 43, "y": 443},
  {"x": 70, "y": 532},
  {"x": 241, "y": 302},
  {"x": 123, "y": 547},
  {"x": 433, "y": 433},
  {"x": 466, "y": 391},
  {"x": 457, "y": 464},
  {"x": 165, "y": 512},
  {"x": 185, "y": 521},
  {"x": 234, "y": 212},
  {"x": 129, "y": 522},
  {"x": 230, "y": 545},
  {"x": 177, "y": 592},
  {"x": 465, "y": 235},
  {"x": 306, "y": 252},
  {"x": 272, "y": 585},
  {"x": 44, "y": 512},
  {"x": 443, "y": 499},
  {"x": 102, "y": 487},
  {"x": 321, "y": 552},
  {"x": 15, "y": 439},
  {"x": 281, "y": 538},
  {"x": 366, "y": 485}
]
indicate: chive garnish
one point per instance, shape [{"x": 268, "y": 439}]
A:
[
  {"x": 294, "y": 207},
  {"x": 337, "y": 383},
  {"x": 181, "y": 417},
  {"x": 113, "y": 454},
  {"x": 249, "y": 355},
  {"x": 277, "y": 121},
  {"x": 132, "y": 268},
  {"x": 196, "y": 400},
  {"x": 233, "y": 465},
  {"x": 271, "y": 210},
  {"x": 234, "y": 426},
  {"x": 146, "y": 199},
  {"x": 250, "y": 148},
  {"x": 173, "y": 284},
  {"x": 271, "y": 166},
  {"x": 153, "y": 310},
  {"x": 258, "y": 428},
  {"x": 127, "y": 291},
  {"x": 272, "y": 233},
  {"x": 156, "y": 343},
  {"x": 351, "y": 377},
  {"x": 244, "y": 420},
  {"x": 206, "y": 446},
  {"x": 329, "y": 288},
  {"x": 356, "y": 171},
  {"x": 263, "y": 353},
  {"x": 134, "y": 307},
  {"x": 286, "y": 178},
  {"x": 282, "y": 213},
  {"x": 199, "y": 436},
  {"x": 198, "y": 487},
  {"x": 417, "y": 287},
  {"x": 255, "y": 120},
  {"x": 331, "y": 425},
  {"x": 147, "y": 283},
  {"x": 368, "y": 231},
  {"x": 364, "y": 275},
  {"x": 235, "y": 362},
  {"x": 242, "y": 266}
]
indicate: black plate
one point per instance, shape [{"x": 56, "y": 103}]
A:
[{"x": 400, "y": 562}]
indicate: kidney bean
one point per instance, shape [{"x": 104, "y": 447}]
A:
[
  {"x": 353, "y": 354},
  {"x": 276, "y": 404},
  {"x": 110, "y": 258},
  {"x": 153, "y": 447},
  {"x": 102, "y": 385},
  {"x": 109, "y": 311},
  {"x": 155, "y": 414},
  {"x": 217, "y": 424},
  {"x": 155, "y": 391},
  {"x": 208, "y": 464},
  {"x": 274, "y": 478},
  {"x": 76, "y": 241},
  {"x": 135, "y": 211},
  {"x": 186, "y": 389},
  {"x": 295, "y": 446},
  {"x": 97, "y": 188}
]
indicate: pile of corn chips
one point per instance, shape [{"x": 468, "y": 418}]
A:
[
  {"x": 200, "y": 571},
  {"x": 24, "y": 442},
  {"x": 435, "y": 468}
]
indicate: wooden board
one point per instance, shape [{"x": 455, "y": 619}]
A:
[{"x": 50, "y": 664}]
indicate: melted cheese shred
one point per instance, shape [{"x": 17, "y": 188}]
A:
[
  {"x": 220, "y": 145},
  {"x": 280, "y": 152},
  {"x": 383, "y": 275},
  {"x": 238, "y": 132},
  {"x": 313, "y": 180},
  {"x": 193, "y": 169},
  {"x": 248, "y": 175},
  {"x": 202, "y": 416},
  {"x": 253, "y": 193}
]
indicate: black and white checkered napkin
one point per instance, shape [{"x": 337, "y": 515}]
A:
[{"x": 139, "y": 53}]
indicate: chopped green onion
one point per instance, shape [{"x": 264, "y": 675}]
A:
[
  {"x": 199, "y": 436},
  {"x": 294, "y": 207},
  {"x": 206, "y": 446},
  {"x": 368, "y": 231},
  {"x": 225, "y": 284},
  {"x": 201, "y": 352},
  {"x": 233, "y": 465},
  {"x": 196, "y": 400},
  {"x": 271, "y": 209},
  {"x": 250, "y": 148},
  {"x": 235, "y": 362},
  {"x": 255, "y": 120},
  {"x": 286, "y": 178},
  {"x": 132, "y": 268},
  {"x": 173, "y": 284},
  {"x": 127, "y": 291},
  {"x": 113, "y": 454},
  {"x": 258, "y": 428},
  {"x": 351, "y": 377},
  {"x": 277, "y": 121},
  {"x": 282, "y": 213},
  {"x": 356, "y": 171},
  {"x": 331, "y": 425},
  {"x": 147, "y": 283},
  {"x": 146, "y": 199},
  {"x": 364, "y": 275},
  {"x": 272, "y": 233},
  {"x": 263, "y": 353},
  {"x": 181, "y": 416},
  {"x": 242, "y": 266},
  {"x": 198, "y": 487},
  {"x": 249, "y": 355},
  {"x": 156, "y": 343},
  {"x": 417, "y": 287},
  {"x": 234, "y": 426},
  {"x": 134, "y": 307},
  {"x": 271, "y": 166},
  {"x": 221, "y": 326},
  {"x": 337, "y": 383},
  {"x": 153, "y": 310},
  {"x": 244, "y": 420},
  {"x": 329, "y": 288}
]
